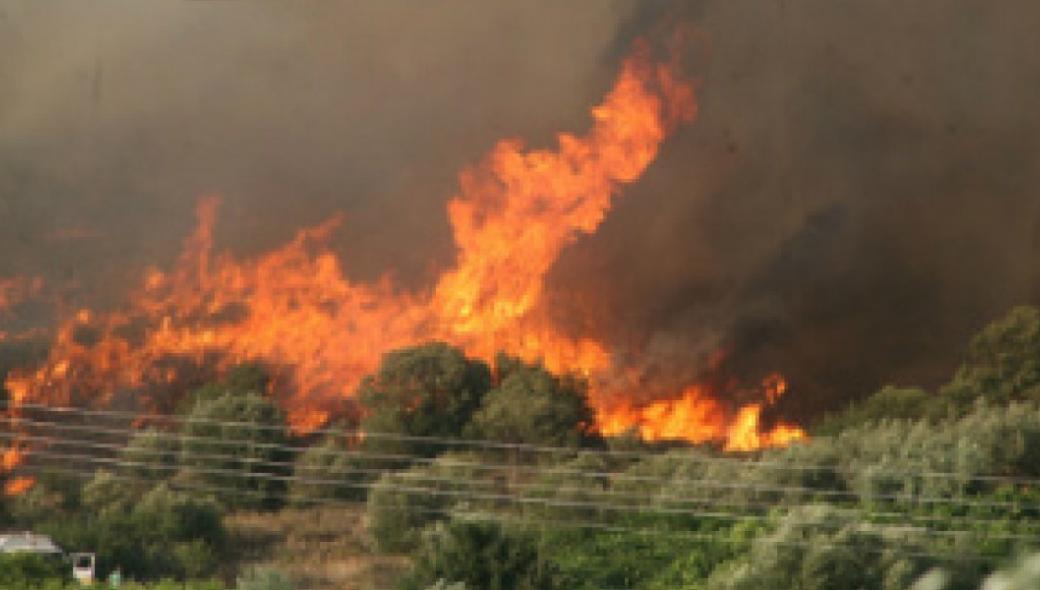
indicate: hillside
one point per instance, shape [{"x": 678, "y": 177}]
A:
[{"x": 525, "y": 496}]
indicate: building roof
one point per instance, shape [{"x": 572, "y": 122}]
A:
[{"x": 26, "y": 542}]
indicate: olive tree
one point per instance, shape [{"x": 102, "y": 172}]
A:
[
  {"x": 532, "y": 406},
  {"x": 424, "y": 391},
  {"x": 235, "y": 446}
]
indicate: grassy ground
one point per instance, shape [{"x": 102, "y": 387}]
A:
[{"x": 321, "y": 548}]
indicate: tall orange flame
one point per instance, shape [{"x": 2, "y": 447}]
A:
[{"x": 293, "y": 307}]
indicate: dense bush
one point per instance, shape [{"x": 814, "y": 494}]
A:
[
  {"x": 401, "y": 504},
  {"x": 26, "y": 570},
  {"x": 480, "y": 555},
  {"x": 532, "y": 406},
  {"x": 569, "y": 490},
  {"x": 821, "y": 548},
  {"x": 909, "y": 403},
  {"x": 234, "y": 446},
  {"x": 1002, "y": 365},
  {"x": 240, "y": 379},
  {"x": 1003, "y": 361},
  {"x": 425, "y": 391},
  {"x": 333, "y": 469},
  {"x": 857, "y": 497},
  {"x": 147, "y": 532},
  {"x": 151, "y": 455}
]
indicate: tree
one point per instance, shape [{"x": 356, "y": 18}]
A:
[
  {"x": 1002, "y": 365},
  {"x": 148, "y": 532},
  {"x": 250, "y": 377},
  {"x": 532, "y": 406},
  {"x": 235, "y": 445},
  {"x": 1003, "y": 361},
  {"x": 425, "y": 391},
  {"x": 890, "y": 402}
]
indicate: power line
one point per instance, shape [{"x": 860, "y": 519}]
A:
[
  {"x": 411, "y": 475},
  {"x": 471, "y": 496},
  {"x": 558, "y": 470},
  {"x": 489, "y": 444},
  {"x": 462, "y": 514}
]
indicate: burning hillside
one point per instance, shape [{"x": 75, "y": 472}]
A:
[{"x": 294, "y": 309}]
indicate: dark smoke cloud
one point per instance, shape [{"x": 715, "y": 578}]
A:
[
  {"x": 856, "y": 198},
  {"x": 116, "y": 116}
]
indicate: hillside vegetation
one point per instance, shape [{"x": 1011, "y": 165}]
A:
[{"x": 478, "y": 477}]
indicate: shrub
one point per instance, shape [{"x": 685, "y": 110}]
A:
[
  {"x": 234, "y": 445},
  {"x": 148, "y": 533},
  {"x": 820, "y": 548},
  {"x": 424, "y": 391},
  {"x": 888, "y": 403},
  {"x": 1003, "y": 361},
  {"x": 480, "y": 555},
  {"x": 400, "y": 504},
  {"x": 532, "y": 406},
  {"x": 151, "y": 455},
  {"x": 331, "y": 470},
  {"x": 29, "y": 570}
]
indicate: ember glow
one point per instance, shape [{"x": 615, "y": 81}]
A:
[
  {"x": 18, "y": 485},
  {"x": 294, "y": 309},
  {"x": 9, "y": 459}
]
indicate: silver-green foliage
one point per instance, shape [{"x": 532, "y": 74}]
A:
[
  {"x": 823, "y": 548},
  {"x": 401, "y": 503}
]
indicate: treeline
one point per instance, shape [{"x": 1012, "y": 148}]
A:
[
  {"x": 155, "y": 508},
  {"x": 492, "y": 477}
]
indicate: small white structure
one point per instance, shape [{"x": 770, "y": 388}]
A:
[
  {"x": 83, "y": 564},
  {"x": 83, "y": 567},
  {"x": 26, "y": 542}
]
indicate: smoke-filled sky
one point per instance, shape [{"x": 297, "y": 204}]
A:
[{"x": 856, "y": 198}]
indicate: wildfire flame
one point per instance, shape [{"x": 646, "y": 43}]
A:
[
  {"x": 295, "y": 309},
  {"x": 9, "y": 459},
  {"x": 697, "y": 417}
]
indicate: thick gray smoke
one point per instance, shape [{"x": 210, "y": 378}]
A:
[
  {"x": 855, "y": 199},
  {"x": 116, "y": 116},
  {"x": 858, "y": 196}
]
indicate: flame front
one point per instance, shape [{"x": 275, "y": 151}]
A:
[
  {"x": 698, "y": 417},
  {"x": 295, "y": 309}
]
